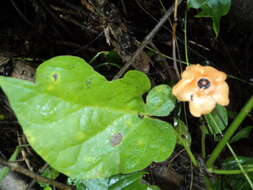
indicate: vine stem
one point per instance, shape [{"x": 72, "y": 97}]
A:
[
  {"x": 232, "y": 128},
  {"x": 240, "y": 166},
  {"x": 192, "y": 157}
]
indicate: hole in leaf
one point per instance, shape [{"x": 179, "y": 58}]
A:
[
  {"x": 55, "y": 76},
  {"x": 88, "y": 83},
  {"x": 140, "y": 116},
  {"x": 116, "y": 139}
]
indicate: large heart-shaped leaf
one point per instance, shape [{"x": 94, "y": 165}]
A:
[{"x": 86, "y": 126}]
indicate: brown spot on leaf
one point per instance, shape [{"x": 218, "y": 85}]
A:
[
  {"x": 116, "y": 139},
  {"x": 55, "y": 76}
]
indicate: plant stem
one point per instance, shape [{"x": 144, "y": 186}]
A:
[
  {"x": 240, "y": 166},
  {"x": 203, "y": 141},
  {"x": 232, "y": 128},
  {"x": 192, "y": 157}
]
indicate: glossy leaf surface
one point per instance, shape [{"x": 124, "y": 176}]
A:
[
  {"x": 86, "y": 126},
  {"x": 160, "y": 101}
]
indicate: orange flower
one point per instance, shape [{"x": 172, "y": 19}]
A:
[{"x": 202, "y": 87}]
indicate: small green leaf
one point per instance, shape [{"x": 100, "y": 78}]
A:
[
  {"x": 196, "y": 4},
  {"x": 131, "y": 181},
  {"x": 105, "y": 53},
  {"x": 86, "y": 126},
  {"x": 47, "y": 188},
  {"x": 232, "y": 182},
  {"x": 5, "y": 170},
  {"x": 237, "y": 182},
  {"x": 160, "y": 101},
  {"x": 232, "y": 164},
  {"x": 212, "y": 8},
  {"x": 112, "y": 58},
  {"x": 49, "y": 173},
  {"x": 217, "y": 120},
  {"x": 243, "y": 133},
  {"x": 183, "y": 135}
]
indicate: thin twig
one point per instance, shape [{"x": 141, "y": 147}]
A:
[
  {"x": 21, "y": 14},
  {"x": 23, "y": 152},
  {"x": 56, "y": 18},
  {"x": 15, "y": 167},
  {"x": 174, "y": 39},
  {"x": 41, "y": 170},
  {"x": 146, "y": 41}
]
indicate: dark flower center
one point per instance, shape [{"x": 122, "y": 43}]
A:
[{"x": 204, "y": 83}]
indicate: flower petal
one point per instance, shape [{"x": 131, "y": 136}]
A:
[
  {"x": 214, "y": 74},
  {"x": 201, "y": 105},
  {"x": 192, "y": 71},
  {"x": 184, "y": 89},
  {"x": 221, "y": 93}
]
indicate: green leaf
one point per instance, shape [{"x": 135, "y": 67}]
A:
[
  {"x": 160, "y": 101},
  {"x": 196, "y": 4},
  {"x": 242, "y": 134},
  {"x": 217, "y": 120},
  {"x": 212, "y": 8},
  {"x": 105, "y": 53},
  {"x": 49, "y": 173},
  {"x": 232, "y": 182},
  {"x": 131, "y": 181},
  {"x": 232, "y": 164},
  {"x": 183, "y": 134},
  {"x": 5, "y": 170},
  {"x": 47, "y": 188},
  {"x": 236, "y": 182},
  {"x": 85, "y": 126},
  {"x": 112, "y": 59}
]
